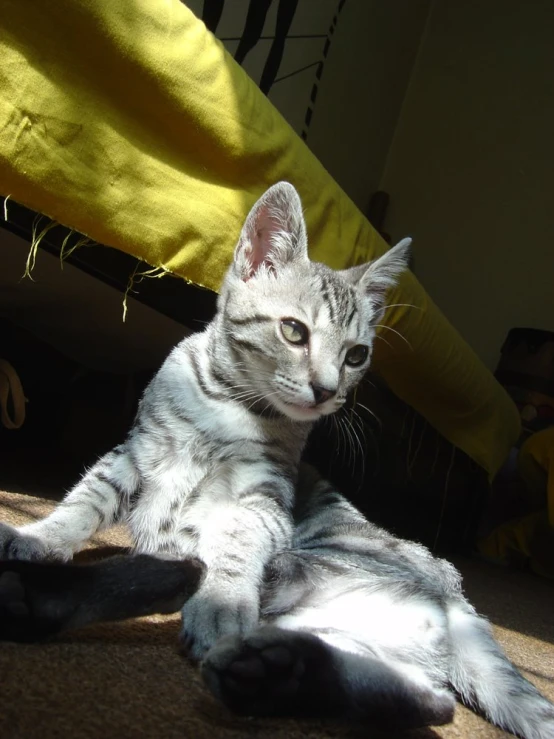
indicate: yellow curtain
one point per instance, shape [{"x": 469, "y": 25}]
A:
[{"x": 129, "y": 122}]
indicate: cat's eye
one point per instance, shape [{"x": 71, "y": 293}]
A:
[
  {"x": 294, "y": 331},
  {"x": 357, "y": 355}
]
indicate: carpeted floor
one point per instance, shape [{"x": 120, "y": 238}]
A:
[{"x": 128, "y": 680}]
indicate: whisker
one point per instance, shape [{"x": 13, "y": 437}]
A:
[
  {"x": 348, "y": 439},
  {"x": 335, "y": 434},
  {"x": 389, "y": 328},
  {"x": 371, "y": 413},
  {"x": 246, "y": 396},
  {"x": 403, "y": 305},
  {"x": 342, "y": 436},
  {"x": 363, "y": 427},
  {"x": 366, "y": 379},
  {"x": 261, "y": 398},
  {"x": 333, "y": 417},
  {"x": 381, "y": 338},
  {"x": 362, "y": 448},
  {"x": 357, "y": 423},
  {"x": 354, "y": 437}
]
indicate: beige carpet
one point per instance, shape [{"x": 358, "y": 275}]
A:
[{"x": 128, "y": 680}]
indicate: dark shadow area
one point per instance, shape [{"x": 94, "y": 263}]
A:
[
  {"x": 400, "y": 472},
  {"x": 73, "y": 415},
  {"x": 174, "y": 297},
  {"x": 133, "y": 670}
]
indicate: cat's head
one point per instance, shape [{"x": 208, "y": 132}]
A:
[{"x": 300, "y": 334}]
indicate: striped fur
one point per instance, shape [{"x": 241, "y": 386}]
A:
[
  {"x": 353, "y": 624},
  {"x": 209, "y": 467},
  {"x": 295, "y": 602},
  {"x": 358, "y": 624}
]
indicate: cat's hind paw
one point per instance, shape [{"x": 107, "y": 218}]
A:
[
  {"x": 271, "y": 672},
  {"x": 33, "y": 602},
  {"x": 12, "y": 595},
  {"x": 17, "y": 622}
]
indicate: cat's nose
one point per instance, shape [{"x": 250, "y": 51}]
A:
[{"x": 321, "y": 394}]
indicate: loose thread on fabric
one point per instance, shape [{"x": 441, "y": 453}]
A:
[
  {"x": 35, "y": 243},
  {"x": 136, "y": 278},
  {"x": 66, "y": 251}
]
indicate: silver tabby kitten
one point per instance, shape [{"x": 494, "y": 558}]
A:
[
  {"x": 209, "y": 468},
  {"x": 303, "y": 606}
]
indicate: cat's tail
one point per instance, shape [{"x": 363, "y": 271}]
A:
[{"x": 488, "y": 682}]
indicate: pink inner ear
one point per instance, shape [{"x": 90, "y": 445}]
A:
[{"x": 259, "y": 236}]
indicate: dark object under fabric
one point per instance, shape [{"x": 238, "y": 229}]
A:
[
  {"x": 526, "y": 370},
  {"x": 73, "y": 413}
]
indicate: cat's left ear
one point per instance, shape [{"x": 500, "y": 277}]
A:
[
  {"x": 274, "y": 233},
  {"x": 377, "y": 277}
]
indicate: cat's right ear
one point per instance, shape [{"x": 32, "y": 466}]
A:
[{"x": 274, "y": 233}]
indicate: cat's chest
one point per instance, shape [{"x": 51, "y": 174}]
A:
[
  {"x": 183, "y": 452},
  {"x": 179, "y": 454}
]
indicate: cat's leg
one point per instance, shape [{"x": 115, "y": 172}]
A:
[
  {"x": 38, "y": 600},
  {"x": 322, "y": 512},
  {"x": 96, "y": 502},
  {"x": 274, "y": 672},
  {"x": 235, "y": 539}
]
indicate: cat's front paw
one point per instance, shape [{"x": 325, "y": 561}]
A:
[
  {"x": 212, "y": 613},
  {"x": 25, "y": 546},
  {"x": 15, "y": 545}
]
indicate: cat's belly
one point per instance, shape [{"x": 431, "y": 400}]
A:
[{"x": 374, "y": 622}]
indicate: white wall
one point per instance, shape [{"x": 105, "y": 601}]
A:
[
  {"x": 364, "y": 79},
  {"x": 470, "y": 170},
  {"x": 362, "y": 89}
]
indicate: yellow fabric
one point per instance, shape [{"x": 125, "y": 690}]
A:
[
  {"x": 512, "y": 539},
  {"x": 536, "y": 467},
  {"x": 515, "y": 543},
  {"x": 128, "y": 121}
]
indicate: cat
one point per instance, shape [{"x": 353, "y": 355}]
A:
[
  {"x": 209, "y": 467},
  {"x": 294, "y": 603},
  {"x": 355, "y": 624}
]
